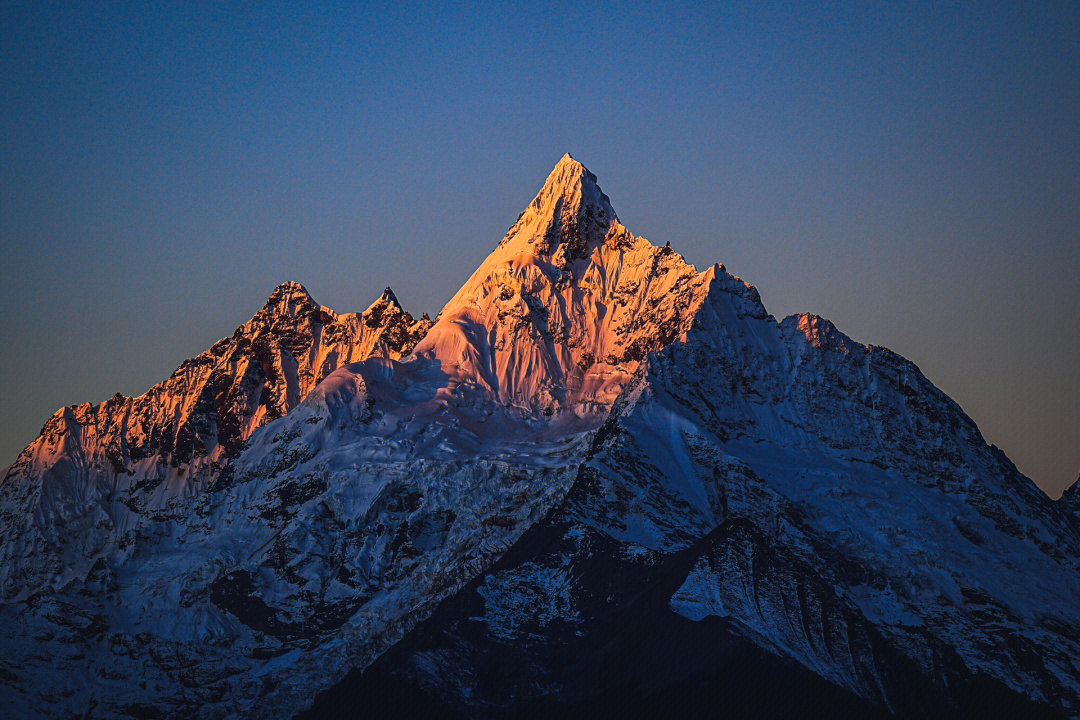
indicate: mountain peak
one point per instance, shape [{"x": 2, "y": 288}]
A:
[
  {"x": 383, "y": 309},
  {"x": 563, "y": 311},
  {"x": 570, "y": 181},
  {"x": 569, "y": 210},
  {"x": 290, "y": 287},
  {"x": 389, "y": 297},
  {"x": 819, "y": 332},
  {"x": 287, "y": 297},
  {"x": 387, "y": 300},
  {"x": 569, "y": 169}
]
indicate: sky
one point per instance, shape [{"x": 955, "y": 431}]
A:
[{"x": 909, "y": 171}]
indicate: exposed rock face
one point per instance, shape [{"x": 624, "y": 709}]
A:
[
  {"x": 1070, "y": 499},
  {"x": 602, "y": 482}
]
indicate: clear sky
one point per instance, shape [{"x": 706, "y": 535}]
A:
[{"x": 911, "y": 172}]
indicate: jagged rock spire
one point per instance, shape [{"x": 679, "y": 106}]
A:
[
  {"x": 389, "y": 296},
  {"x": 287, "y": 297},
  {"x": 385, "y": 306}
]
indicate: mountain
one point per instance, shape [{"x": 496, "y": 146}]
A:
[
  {"x": 602, "y": 482},
  {"x": 559, "y": 316},
  {"x": 96, "y": 470}
]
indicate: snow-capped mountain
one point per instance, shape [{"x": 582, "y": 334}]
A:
[
  {"x": 96, "y": 470},
  {"x": 602, "y": 481},
  {"x": 562, "y": 312}
]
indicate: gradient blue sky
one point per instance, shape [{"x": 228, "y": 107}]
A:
[{"x": 910, "y": 171}]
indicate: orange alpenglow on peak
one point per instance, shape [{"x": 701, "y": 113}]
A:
[
  {"x": 564, "y": 309},
  {"x": 570, "y": 209}
]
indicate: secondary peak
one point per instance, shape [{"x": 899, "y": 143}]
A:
[
  {"x": 287, "y": 296},
  {"x": 388, "y": 296}
]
